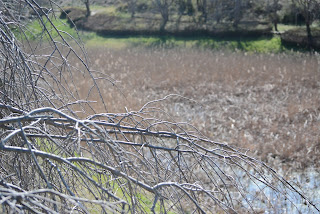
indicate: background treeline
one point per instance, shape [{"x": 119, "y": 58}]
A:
[
  {"x": 214, "y": 11},
  {"x": 199, "y": 17}
]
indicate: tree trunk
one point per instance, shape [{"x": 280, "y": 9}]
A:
[
  {"x": 237, "y": 13},
  {"x": 309, "y": 35},
  {"x": 202, "y": 7},
  {"x": 204, "y": 11},
  {"x": 275, "y": 21},
  {"x": 178, "y": 22},
  {"x": 164, "y": 10},
  {"x": 132, "y": 8},
  {"x": 164, "y": 23},
  {"x": 308, "y": 23},
  {"x": 276, "y": 25},
  {"x": 87, "y": 3},
  {"x": 190, "y": 10}
]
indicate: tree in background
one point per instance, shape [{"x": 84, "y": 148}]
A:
[
  {"x": 132, "y": 6},
  {"x": 310, "y": 11},
  {"x": 273, "y": 7},
  {"x": 184, "y": 7},
  {"x": 87, "y": 4},
  {"x": 202, "y": 8},
  {"x": 216, "y": 10},
  {"x": 237, "y": 12},
  {"x": 163, "y": 7}
]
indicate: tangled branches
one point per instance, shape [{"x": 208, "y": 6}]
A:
[{"x": 54, "y": 161}]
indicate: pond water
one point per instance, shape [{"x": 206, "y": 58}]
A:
[{"x": 306, "y": 182}]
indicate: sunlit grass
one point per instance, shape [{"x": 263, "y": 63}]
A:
[
  {"x": 146, "y": 199},
  {"x": 101, "y": 9},
  {"x": 34, "y": 30},
  {"x": 263, "y": 45},
  {"x": 114, "y": 185},
  {"x": 259, "y": 45},
  {"x": 284, "y": 27},
  {"x": 110, "y": 10}
]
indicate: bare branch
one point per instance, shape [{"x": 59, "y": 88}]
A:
[{"x": 54, "y": 161}]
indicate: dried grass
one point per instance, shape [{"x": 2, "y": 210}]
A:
[{"x": 267, "y": 103}]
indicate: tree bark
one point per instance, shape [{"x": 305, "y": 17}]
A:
[
  {"x": 276, "y": 25},
  {"x": 165, "y": 19},
  {"x": 132, "y": 7},
  {"x": 308, "y": 23},
  {"x": 309, "y": 35},
  {"x": 163, "y": 7},
  {"x": 88, "y": 12},
  {"x": 202, "y": 7}
]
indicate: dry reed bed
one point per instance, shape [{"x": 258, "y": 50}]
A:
[{"x": 269, "y": 104}]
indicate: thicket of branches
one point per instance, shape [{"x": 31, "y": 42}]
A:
[{"x": 59, "y": 156}]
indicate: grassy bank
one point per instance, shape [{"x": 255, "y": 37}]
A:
[
  {"x": 265, "y": 44},
  {"x": 260, "y": 45}
]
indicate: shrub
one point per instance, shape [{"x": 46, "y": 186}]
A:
[{"x": 298, "y": 37}]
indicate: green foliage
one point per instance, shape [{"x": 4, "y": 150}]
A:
[
  {"x": 40, "y": 29},
  {"x": 284, "y": 27},
  {"x": 260, "y": 45},
  {"x": 144, "y": 197},
  {"x": 34, "y": 30}
]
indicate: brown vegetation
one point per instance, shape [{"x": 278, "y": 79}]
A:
[{"x": 266, "y": 103}]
